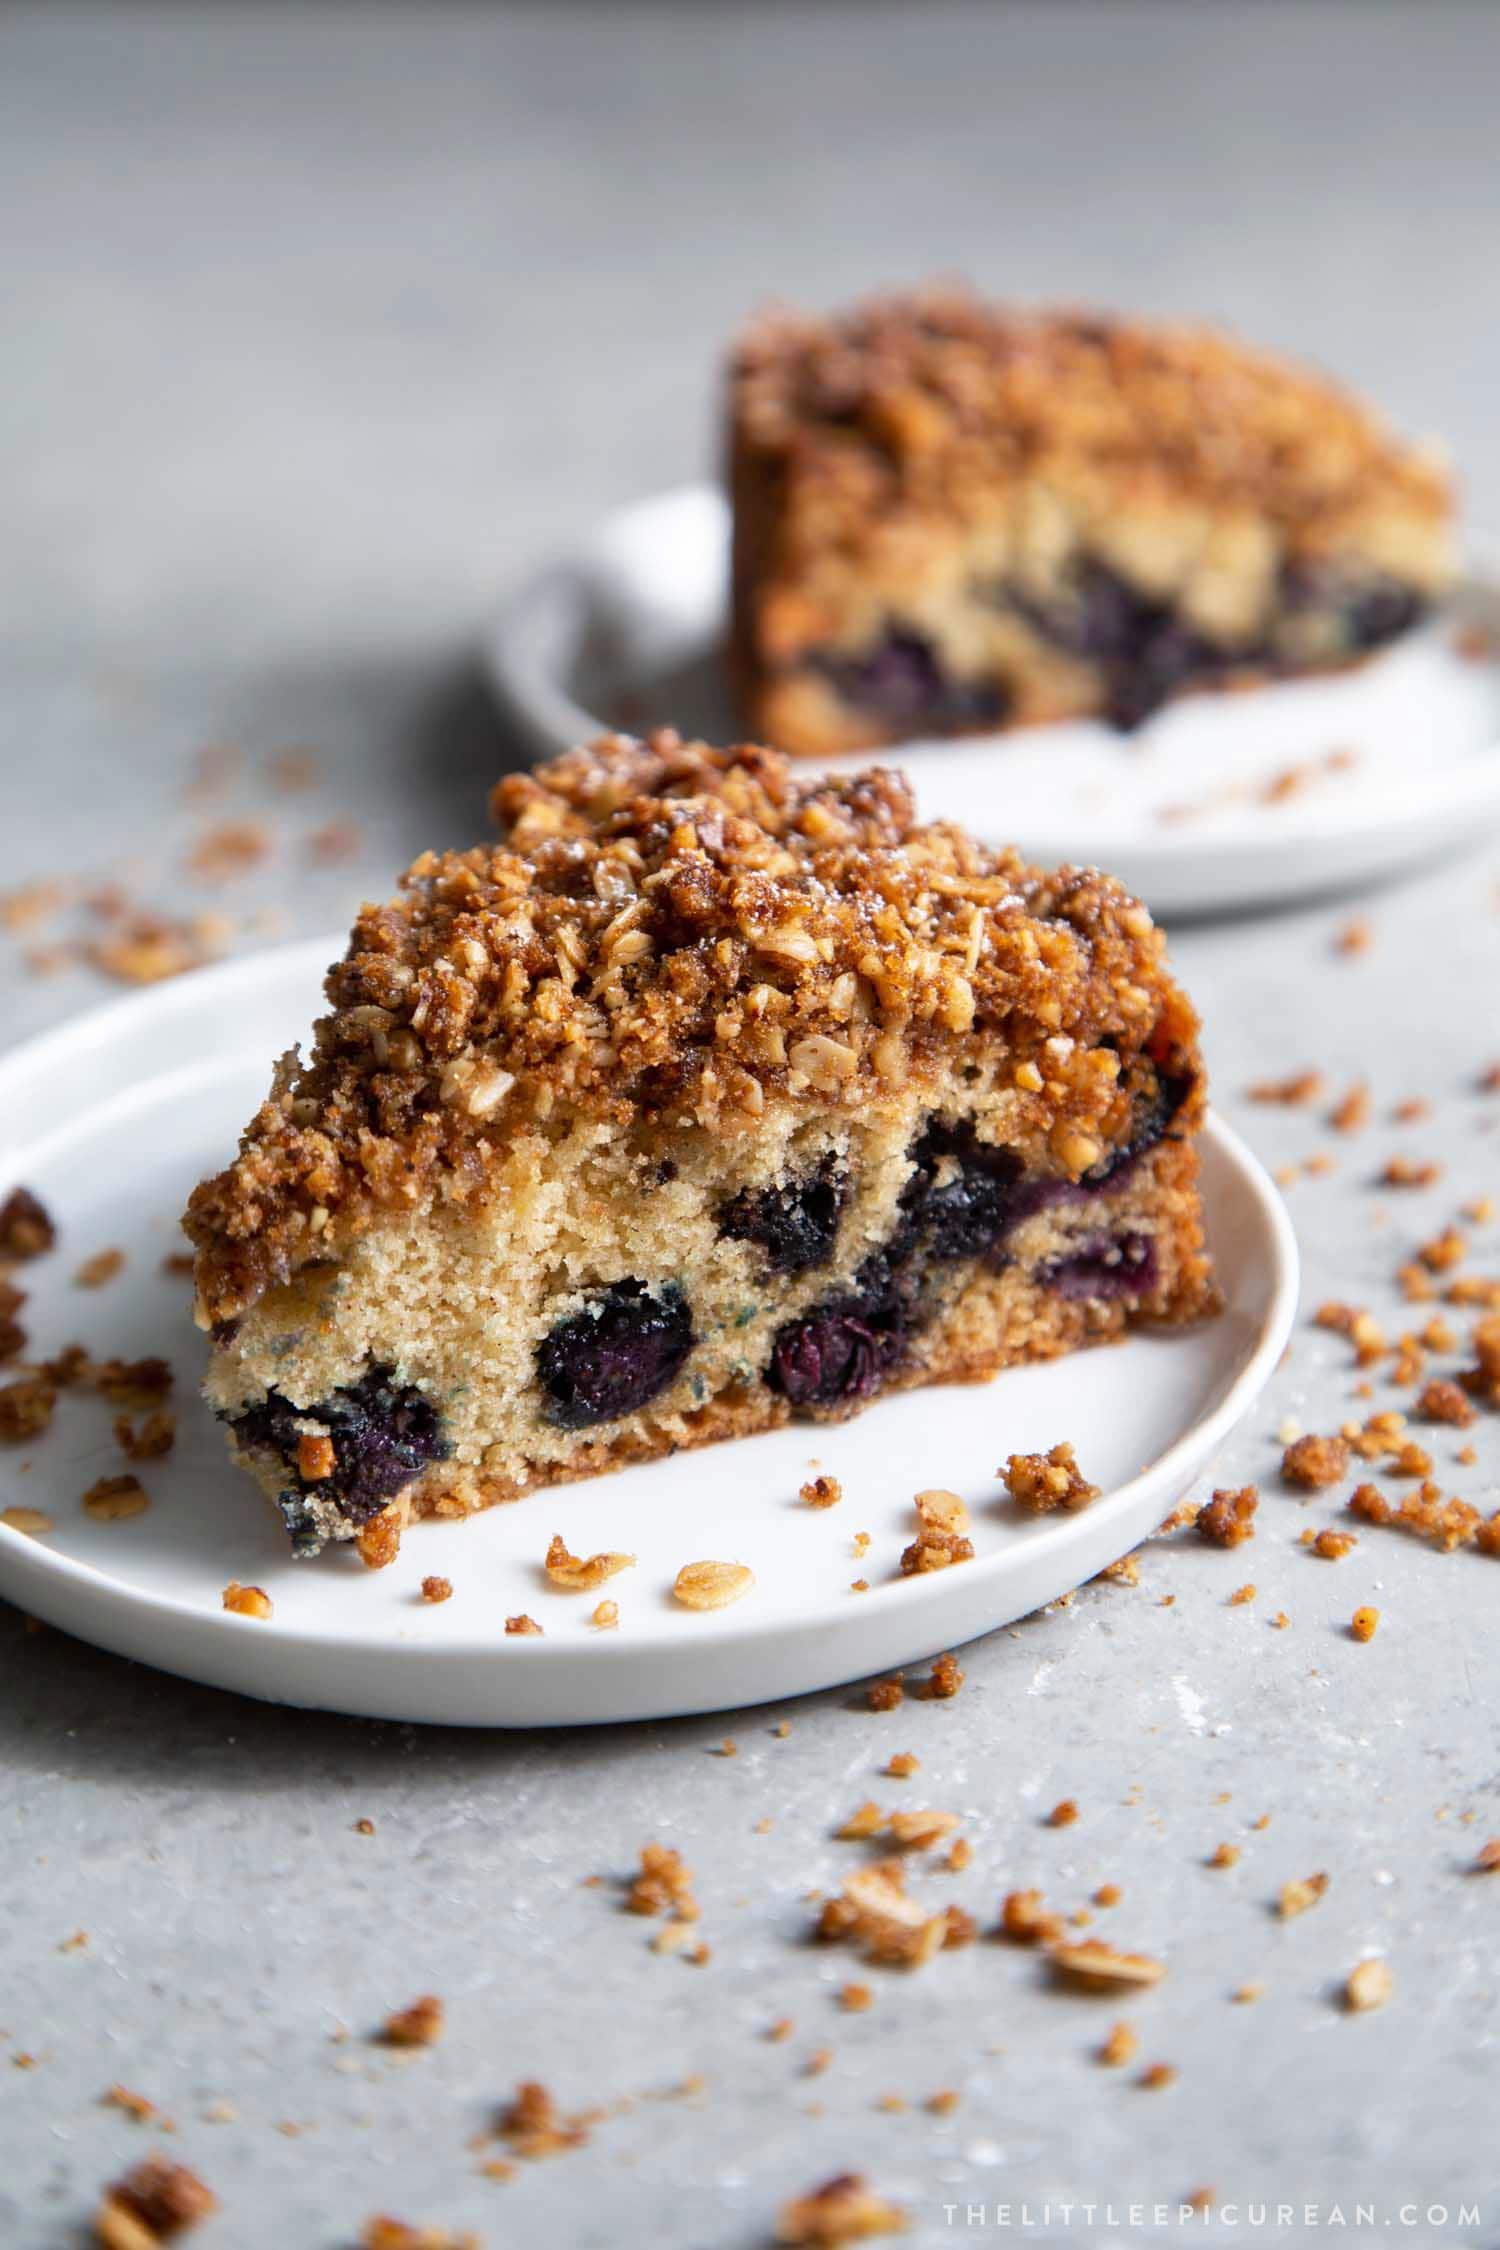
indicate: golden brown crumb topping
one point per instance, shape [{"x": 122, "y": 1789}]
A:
[
  {"x": 419, "y": 2025},
  {"x": 161, "y": 2198},
  {"x": 890, "y": 406},
  {"x": 1315, "y": 1462},
  {"x": 1040, "y": 1482},
  {"x": 1228, "y": 1519},
  {"x": 694, "y": 933},
  {"x": 842, "y": 2210}
]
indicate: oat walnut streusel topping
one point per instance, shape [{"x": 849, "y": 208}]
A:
[{"x": 699, "y": 934}]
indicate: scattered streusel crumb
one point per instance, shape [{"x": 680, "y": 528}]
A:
[
  {"x": 436, "y": 1589},
  {"x": 712, "y": 1585},
  {"x": 1241, "y": 1595},
  {"x": 1487, "y": 1858},
  {"x": 1158, "y": 2075},
  {"x": 1040, "y": 1482},
  {"x": 95, "y": 1272},
  {"x": 902, "y": 1764},
  {"x": 884, "y": 1695},
  {"x": 1288, "y": 1093},
  {"x": 843, "y": 2210},
  {"x": 1331, "y": 1545},
  {"x": 522, "y": 1625},
  {"x": 874, "y": 1909},
  {"x": 1352, "y": 1111},
  {"x": 26, "y": 1228},
  {"x": 246, "y": 1601},
  {"x": 1356, "y": 935},
  {"x": 385, "y": 2233},
  {"x": 533, "y": 2126},
  {"x": 1108, "y": 1894},
  {"x": 33, "y": 1521},
  {"x": 605, "y": 1616},
  {"x": 942, "y": 1540},
  {"x": 149, "y": 1439},
  {"x": 664, "y": 1884},
  {"x": 155, "y": 2201},
  {"x": 420, "y": 2025},
  {"x": 26, "y": 1409},
  {"x": 943, "y": 1681},
  {"x": 1063, "y": 1813},
  {"x": 1224, "y": 1855},
  {"x": 1368, "y": 1985},
  {"x": 1314, "y": 1462},
  {"x": 1102, "y": 1967},
  {"x": 1298, "y": 1895},
  {"x": 1228, "y": 1519},
  {"x": 1445, "y": 1402},
  {"x": 577, "y": 1575},
  {"x": 1363, "y": 1624},
  {"x": 114, "y": 1499},
  {"x": 822, "y": 1492},
  {"x": 856, "y": 1998},
  {"x": 1120, "y": 2047}
]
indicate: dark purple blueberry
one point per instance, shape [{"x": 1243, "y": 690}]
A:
[
  {"x": 839, "y": 1353},
  {"x": 1370, "y": 611},
  {"x": 1145, "y": 649},
  {"x": 1153, "y": 1116},
  {"x": 903, "y": 682},
  {"x": 961, "y": 1197},
  {"x": 384, "y": 1433},
  {"x": 615, "y": 1356},
  {"x": 1107, "y": 1266},
  {"x": 796, "y": 1225}
]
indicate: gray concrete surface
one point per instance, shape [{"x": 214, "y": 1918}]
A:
[{"x": 319, "y": 328}]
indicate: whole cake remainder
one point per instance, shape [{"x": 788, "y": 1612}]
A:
[
  {"x": 951, "y": 517},
  {"x": 712, "y": 1094}
]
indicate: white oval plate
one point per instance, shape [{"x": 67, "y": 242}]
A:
[
  {"x": 112, "y": 1119},
  {"x": 626, "y": 632}
]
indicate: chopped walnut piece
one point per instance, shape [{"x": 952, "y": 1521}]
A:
[
  {"x": 1228, "y": 1519},
  {"x": 522, "y": 1625},
  {"x": 533, "y": 2126},
  {"x": 1445, "y": 1402},
  {"x": 149, "y": 1439},
  {"x": 161, "y": 2198},
  {"x": 1288, "y": 1093},
  {"x": 114, "y": 1499},
  {"x": 1040, "y": 1482},
  {"x": 26, "y": 1229},
  {"x": 1091, "y": 1962},
  {"x": 821, "y": 1492},
  {"x": 943, "y": 1681},
  {"x": 1298, "y": 1895},
  {"x": 1363, "y": 1624},
  {"x": 712, "y": 1585},
  {"x": 316, "y": 1457},
  {"x": 1314, "y": 1462},
  {"x": 26, "y": 1409},
  {"x": 420, "y": 2025},
  {"x": 575, "y": 1574},
  {"x": 1368, "y": 1985},
  {"x": 842, "y": 2210},
  {"x": 436, "y": 1589}
]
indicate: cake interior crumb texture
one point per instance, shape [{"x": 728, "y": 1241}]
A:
[
  {"x": 953, "y": 517},
  {"x": 710, "y": 1096}
]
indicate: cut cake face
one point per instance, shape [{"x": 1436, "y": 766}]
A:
[
  {"x": 953, "y": 517},
  {"x": 712, "y": 1094}
]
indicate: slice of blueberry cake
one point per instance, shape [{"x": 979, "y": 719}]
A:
[
  {"x": 711, "y": 1095},
  {"x": 951, "y": 517}
]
